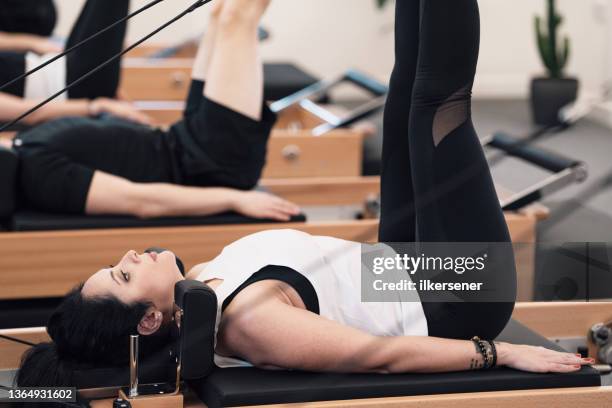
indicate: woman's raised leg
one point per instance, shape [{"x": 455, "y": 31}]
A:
[
  {"x": 454, "y": 193},
  {"x": 235, "y": 75},
  {"x": 202, "y": 60},
  {"x": 206, "y": 48},
  {"x": 398, "y": 217},
  {"x": 455, "y": 196}
]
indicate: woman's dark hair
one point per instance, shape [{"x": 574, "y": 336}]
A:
[{"x": 85, "y": 332}]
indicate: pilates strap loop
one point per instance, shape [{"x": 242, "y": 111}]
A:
[{"x": 16, "y": 340}]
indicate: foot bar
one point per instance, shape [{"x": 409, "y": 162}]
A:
[
  {"x": 566, "y": 171},
  {"x": 306, "y": 100}
]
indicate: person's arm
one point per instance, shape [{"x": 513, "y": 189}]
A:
[
  {"x": 110, "y": 194},
  {"x": 12, "y": 107},
  {"x": 273, "y": 334},
  {"x": 27, "y": 42}
]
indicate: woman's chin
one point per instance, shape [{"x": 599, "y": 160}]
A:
[{"x": 168, "y": 256}]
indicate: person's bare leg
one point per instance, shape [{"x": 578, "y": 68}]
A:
[
  {"x": 235, "y": 75},
  {"x": 207, "y": 45}
]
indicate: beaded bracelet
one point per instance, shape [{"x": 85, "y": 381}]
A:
[
  {"x": 488, "y": 351},
  {"x": 494, "y": 352}
]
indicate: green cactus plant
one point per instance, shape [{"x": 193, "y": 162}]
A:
[
  {"x": 381, "y": 3},
  {"x": 555, "y": 58}
]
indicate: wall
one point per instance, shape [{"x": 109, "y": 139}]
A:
[{"x": 328, "y": 36}]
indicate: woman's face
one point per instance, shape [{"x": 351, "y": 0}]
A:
[{"x": 138, "y": 278}]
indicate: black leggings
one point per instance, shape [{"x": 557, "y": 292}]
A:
[
  {"x": 436, "y": 183},
  {"x": 96, "y": 15}
]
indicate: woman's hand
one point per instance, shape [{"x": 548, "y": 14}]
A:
[
  {"x": 124, "y": 110},
  {"x": 42, "y": 46},
  {"x": 263, "y": 205},
  {"x": 539, "y": 359}
]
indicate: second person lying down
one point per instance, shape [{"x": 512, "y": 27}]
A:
[{"x": 203, "y": 165}]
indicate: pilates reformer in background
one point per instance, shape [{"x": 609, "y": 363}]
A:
[{"x": 301, "y": 110}]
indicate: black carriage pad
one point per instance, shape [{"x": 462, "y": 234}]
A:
[
  {"x": 250, "y": 386},
  {"x": 25, "y": 221}
]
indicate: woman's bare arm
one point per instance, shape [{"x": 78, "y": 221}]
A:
[
  {"x": 270, "y": 333},
  {"x": 110, "y": 194},
  {"x": 12, "y": 107},
  {"x": 27, "y": 42}
]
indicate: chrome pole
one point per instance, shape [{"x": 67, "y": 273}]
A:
[{"x": 133, "y": 366}]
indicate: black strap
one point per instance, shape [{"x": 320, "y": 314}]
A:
[
  {"x": 15, "y": 340},
  {"x": 196, "y": 5}
]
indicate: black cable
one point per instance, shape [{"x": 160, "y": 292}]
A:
[
  {"x": 76, "y": 46},
  {"x": 193, "y": 7},
  {"x": 13, "y": 339}
]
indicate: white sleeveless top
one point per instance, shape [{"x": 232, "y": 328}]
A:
[
  {"x": 332, "y": 266},
  {"x": 47, "y": 81}
]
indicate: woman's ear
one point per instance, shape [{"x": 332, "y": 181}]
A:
[{"x": 151, "y": 322}]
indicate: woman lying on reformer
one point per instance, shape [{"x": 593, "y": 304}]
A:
[
  {"x": 290, "y": 300},
  {"x": 91, "y": 97},
  {"x": 203, "y": 165}
]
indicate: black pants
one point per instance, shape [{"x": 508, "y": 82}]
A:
[
  {"x": 436, "y": 184},
  {"x": 96, "y": 15}
]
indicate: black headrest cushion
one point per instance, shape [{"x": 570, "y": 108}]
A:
[{"x": 198, "y": 303}]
